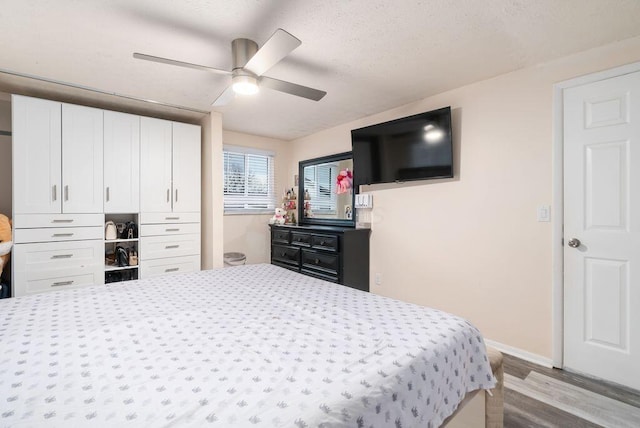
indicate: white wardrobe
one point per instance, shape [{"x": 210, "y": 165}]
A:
[{"x": 75, "y": 167}]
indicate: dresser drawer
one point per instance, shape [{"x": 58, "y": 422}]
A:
[
  {"x": 301, "y": 239},
  {"x": 161, "y": 218},
  {"x": 30, "y": 221},
  {"x": 315, "y": 260},
  {"x": 321, "y": 275},
  {"x": 55, "y": 234},
  {"x": 288, "y": 255},
  {"x": 58, "y": 255},
  {"x": 157, "y": 247},
  {"x": 57, "y": 279},
  {"x": 151, "y": 268},
  {"x": 169, "y": 229},
  {"x": 324, "y": 242},
  {"x": 279, "y": 236}
]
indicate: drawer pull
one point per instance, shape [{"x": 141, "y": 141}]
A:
[
  {"x": 62, "y": 220},
  {"x": 172, "y": 230},
  {"x": 57, "y": 235},
  {"x": 321, "y": 242},
  {"x": 172, "y": 218},
  {"x": 59, "y": 283},
  {"x": 171, "y": 246},
  {"x": 283, "y": 254},
  {"x": 62, "y": 256},
  {"x": 172, "y": 270},
  {"x": 317, "y": 261}
]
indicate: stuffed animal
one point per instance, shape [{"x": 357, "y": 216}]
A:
[
  {"x": 278, "y": 217},
  {"x": 5, "y": 241},
  {"x": 344, "y": 181}
]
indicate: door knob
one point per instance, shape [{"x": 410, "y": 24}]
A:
[{"x": 574, "y": 243}]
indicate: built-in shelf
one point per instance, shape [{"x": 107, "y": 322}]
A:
[
  {"x": 108, "y": 268},
  {"x": 120, "y": 240}
]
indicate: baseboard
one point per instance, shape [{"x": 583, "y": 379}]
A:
[{"x": 520, "y": 353}]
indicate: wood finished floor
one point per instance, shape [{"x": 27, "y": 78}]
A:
[{"x": 537, "y": 396}]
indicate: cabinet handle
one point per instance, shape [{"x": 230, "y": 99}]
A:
[
  {"x": 66, "y": 192},
  {"x": 172, "y": 270},
  {"x": 176, "y": 195},
  {"x": 62, "y": 220},
  {"x": 62, "y": 256},
  {"x": 55, "y": 192},
  {"x": 62, "y": 234},
  {"x": 168, "y": 193},
  {"x": 107, "y": 193},
  {"x": 171, "y": 246},
  {"x": 59, "y": 283},
  {"x": 172, "y": 230}
]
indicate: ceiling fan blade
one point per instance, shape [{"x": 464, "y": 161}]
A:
[
  {"x": 291, "y": 88},
  {"x": 225, "y": 97},
  {"x": 179, "y": 63},
  {"x": 279, "y": 45}
]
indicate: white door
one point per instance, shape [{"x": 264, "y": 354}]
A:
[
  {"x": 186, "y": 167},
  {"x": 36, "y": 156},
  {"x": 82, "y": 159},
  {"x": 155, "y": 165},
  {"x": 602, "y": 212},
  {"x": 121, "y": 162}
]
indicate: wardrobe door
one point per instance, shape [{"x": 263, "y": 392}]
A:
[
  {"x": 186, "y": 167},
  {"x": 82, "y": 159},
  {"x": 121, "y": 162},
  {"x": 36, "y": 156},
  {"x": 155, "y": 165}
]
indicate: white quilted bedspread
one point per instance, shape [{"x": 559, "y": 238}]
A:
[{"x": 249, "y": 346}]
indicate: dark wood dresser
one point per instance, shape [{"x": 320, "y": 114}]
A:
[{"x": 336, "y": 254}]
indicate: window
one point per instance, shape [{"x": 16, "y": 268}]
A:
[
  {"x": 248, "y": 180},
  {"x": 320, "y": 182}
]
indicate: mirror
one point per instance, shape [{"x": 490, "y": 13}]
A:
[{"x": 326, "y": 191}]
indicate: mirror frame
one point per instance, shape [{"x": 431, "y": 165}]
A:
[{"x": 302, "y": 220}]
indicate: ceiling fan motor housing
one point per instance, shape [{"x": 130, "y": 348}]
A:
[{"x": 242, "y": 50}]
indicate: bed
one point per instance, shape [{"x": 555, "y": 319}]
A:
[{"x": 247, "y": 346}]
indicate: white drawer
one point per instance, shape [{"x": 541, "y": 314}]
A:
[
  {"x": 26, "y": 221},
  {"x": 151, "y": 268},
  {"x": 157, "y": 247},
  {"x": 57, "y": 255},
  {"x": 26, "y": 283},
  {"x": 169, "y": 229},
  {"x": 161, "y": 218},
  {"x": 56, "y": 234}
]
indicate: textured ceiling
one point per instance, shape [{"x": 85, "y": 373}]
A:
[{"x": 369, "y": 55}]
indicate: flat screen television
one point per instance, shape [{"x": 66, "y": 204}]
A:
[{"x": 417, "y": 147}]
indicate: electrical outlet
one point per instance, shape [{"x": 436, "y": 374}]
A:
[{"x": 378, "y": 278}]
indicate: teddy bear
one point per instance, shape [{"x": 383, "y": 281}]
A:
[
  {"x": 278, "y": 217},
  {"x": 344, "y": 181},
  {"x": 5, "y": 241}
]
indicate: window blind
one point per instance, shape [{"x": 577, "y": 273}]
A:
[
  {"x": 320, "y": 182},
  {"x": 248, "y": 177}
]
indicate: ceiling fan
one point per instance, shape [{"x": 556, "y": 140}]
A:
[{"x": 249, "y": 64}]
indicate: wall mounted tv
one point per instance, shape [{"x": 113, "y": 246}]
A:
[{"x": 417, "y": 147}]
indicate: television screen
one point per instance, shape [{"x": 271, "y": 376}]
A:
[{"x": 417, "y": 147}]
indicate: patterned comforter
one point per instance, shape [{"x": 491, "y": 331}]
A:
[{"x": 249, "y": 346}]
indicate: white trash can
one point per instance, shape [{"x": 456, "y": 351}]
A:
[{"x": 234, "y": 259}]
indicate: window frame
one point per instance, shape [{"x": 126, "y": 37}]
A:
[{"x": 268, "y": 199}]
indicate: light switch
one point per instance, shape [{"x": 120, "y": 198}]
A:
[{"x": 544, "y": 213}]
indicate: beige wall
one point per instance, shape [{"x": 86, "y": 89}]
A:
[
  {"x": 249, "y": 234},
  {"x": 471, "y": 245},
  {"x": 5, "y": 156}
]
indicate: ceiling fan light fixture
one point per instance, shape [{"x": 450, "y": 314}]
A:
[{"x": 244, "y": 85}]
